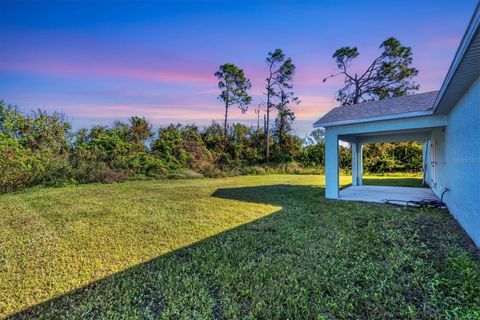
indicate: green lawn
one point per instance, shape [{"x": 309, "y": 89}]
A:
[
  {"x": 394, "y": 180},
  {"x": 244, "y": 247}
]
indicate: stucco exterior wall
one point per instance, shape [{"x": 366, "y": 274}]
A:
[
  {"x": 456, "y": 137},
  {"x": 458, "y": 162}
]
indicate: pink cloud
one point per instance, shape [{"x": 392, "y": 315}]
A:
[
  {"x": 312, "y": 106},
  {"x": 69, "y": 54},
  {"x": 63, "y": 68},
  {"x": 157, "y": 114}
]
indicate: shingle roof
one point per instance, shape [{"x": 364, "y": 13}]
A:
[{"x": 380, "y": 108}]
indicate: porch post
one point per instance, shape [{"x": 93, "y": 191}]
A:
[
  {"x": 354, "y": 150},
  {"x": 356, "y": 164},
  {"x": 331, "y": 165},
  {"x": 359, "y": 165}
]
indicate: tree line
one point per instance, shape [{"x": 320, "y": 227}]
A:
[{"x": 40, "y": 148}]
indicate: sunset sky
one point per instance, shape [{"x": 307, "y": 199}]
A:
[{"x": 99, "y": 61}]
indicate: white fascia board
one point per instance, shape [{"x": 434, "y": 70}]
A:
[
  {"x": 373, "y": 119},
  {"x": 390, "y": 125}
]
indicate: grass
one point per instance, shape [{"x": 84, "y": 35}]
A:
[
  {"x": 245, "y": 247},
  {"x": 398, "y": 180}
]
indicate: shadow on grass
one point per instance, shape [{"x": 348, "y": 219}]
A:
[
  {"x": 186, "y": 282},
  {"x": 312, "y": 257}
]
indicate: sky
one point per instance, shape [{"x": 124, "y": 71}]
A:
[{"x": 99, "y": 61}]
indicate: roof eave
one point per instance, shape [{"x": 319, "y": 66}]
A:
[{"x": 373, "y": 119}]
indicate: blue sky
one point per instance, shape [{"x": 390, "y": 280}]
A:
[{"x": 103, "y": 60}]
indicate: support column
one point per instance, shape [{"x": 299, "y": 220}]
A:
[
  {"x": 353, "y": 148},
  {"x": 360, "y": 164},
  {"x": 357, "y": 164},
  {"x": 331, "y": 165}
]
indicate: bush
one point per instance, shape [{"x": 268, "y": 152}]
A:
[
  {"x": 392, "y": 157},
  {"x": 39, "y": 149},
  {"x": 53, "y": 170},
  {"x": 16, "y": 165}
]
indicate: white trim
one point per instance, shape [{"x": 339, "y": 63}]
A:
[
  {"x": 389, "y": 126},
  {"x": 420, "y": 135},
  {"x": 373, "y": 119}
]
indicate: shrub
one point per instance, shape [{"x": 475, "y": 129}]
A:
[
  {"x": 53, "y": 170},
  {"x": 16, "y": 165},
  {"x": 38, "y": 148},
  {"x": 392, "y": 157}
]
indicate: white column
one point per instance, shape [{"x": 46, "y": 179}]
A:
[
  {"x": 331, "y": 165},
  {"x": 359, "y": 165},
  {"x": 357, "y": 157},
  {"x": 354, "y": 150}
]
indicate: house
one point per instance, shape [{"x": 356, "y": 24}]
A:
[{"x": 446, "y": 121}]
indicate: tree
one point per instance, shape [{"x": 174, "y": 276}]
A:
[
  {"x": 213, "y": 135},
  {"x": 241, "y": 144},
  {"x": 285, "y": 115},
  {"x": 280, "y": 76},
  {"x": 234, "y": 86},
  {"x": 315, "y": 137},
  {"x": 137, "y": 131},
  {"x": 389, "y": 75},
  {"x": 41, "y": 131}
]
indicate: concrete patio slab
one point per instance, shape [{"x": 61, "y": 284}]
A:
[{"x": 381, "y": 194}]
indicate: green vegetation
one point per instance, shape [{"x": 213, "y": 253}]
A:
[
  {"x": 398, "y": 180},
  {"x": 40, "y": 149},
  {"x": 251, "y": 247}
]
